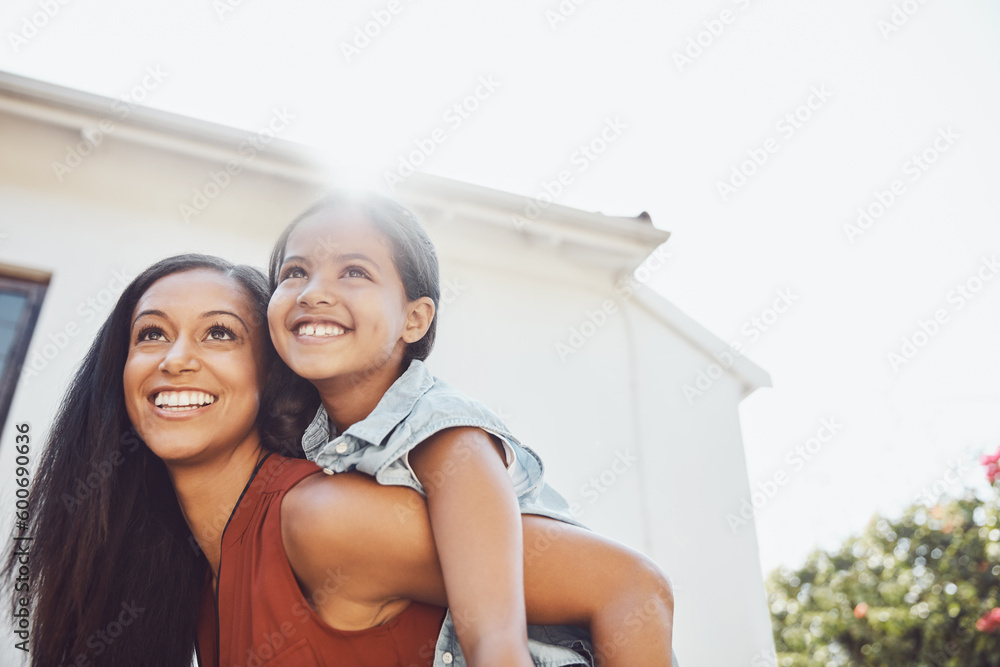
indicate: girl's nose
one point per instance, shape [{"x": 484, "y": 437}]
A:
[{"x": 317, "y": 293}]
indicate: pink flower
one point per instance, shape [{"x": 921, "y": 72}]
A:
[
  {"x": 989, "y": 621},
  {"x": 992, "y": 463},
  {"x": 860, "y": 610}
]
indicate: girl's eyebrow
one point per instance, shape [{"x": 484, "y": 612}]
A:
[
  {"x": 357, "y": 255},
  {"x": 345, "y": 257}
]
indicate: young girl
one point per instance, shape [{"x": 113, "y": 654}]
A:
[{"x": 353, "y": 311}]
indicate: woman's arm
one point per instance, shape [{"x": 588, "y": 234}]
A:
[
  {"x": 476, "y": 525},
  {"x": 574, "y": 576},
  {"x": 376, "y": 543}
]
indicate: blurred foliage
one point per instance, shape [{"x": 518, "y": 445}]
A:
[{"x": 906, "y": 593}]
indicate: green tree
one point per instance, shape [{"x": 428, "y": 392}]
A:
[{"x": 908, "y": 592}]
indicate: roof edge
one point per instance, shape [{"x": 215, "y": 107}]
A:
[
  {"x": 750, "y": 375},
  {"x": 78, "y": 110},
  {"x": 631, "y": 238}
]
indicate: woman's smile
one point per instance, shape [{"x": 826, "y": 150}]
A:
[{"x": 191, "y": 377}]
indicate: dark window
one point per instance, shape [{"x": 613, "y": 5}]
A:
[{"x": 21, "y": 294}]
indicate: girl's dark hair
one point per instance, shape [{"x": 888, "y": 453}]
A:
[
  {"x": 412, "y": 250},
  {"x": 115, "y": 575}
]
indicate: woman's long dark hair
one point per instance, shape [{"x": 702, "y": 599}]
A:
[{"x": 114, "y": 573}]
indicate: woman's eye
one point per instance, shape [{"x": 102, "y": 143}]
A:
[
  {"x": 221, "y": 333},
  {"x": 293, "y": 272},
  {"x": 150, "y": 334}
]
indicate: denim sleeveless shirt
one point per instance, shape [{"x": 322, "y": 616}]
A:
[{"x": 415, "y": 407}]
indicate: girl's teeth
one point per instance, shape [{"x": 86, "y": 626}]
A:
[{"x": 323, "y": 330}]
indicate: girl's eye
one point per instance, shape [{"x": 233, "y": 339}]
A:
[
  {"x": 355, "y": 272},
  {"x": 293, "y": 272},
  {"x": 149, "y": 333},
  {"x": 220, "y": 332}
]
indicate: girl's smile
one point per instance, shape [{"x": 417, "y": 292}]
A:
[{"x": 339, "y": 316}]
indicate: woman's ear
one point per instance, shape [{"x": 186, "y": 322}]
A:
[{"x": 419, "y": 315}]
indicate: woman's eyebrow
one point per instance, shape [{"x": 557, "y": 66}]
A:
[
  {"x": 216, "y": 313},
  {"x": 150, "y": 313}
]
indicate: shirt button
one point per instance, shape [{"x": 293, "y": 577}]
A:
[
  {"x": 447, "y": 658},
  {"x": 327, "y": 471},
  {"x": 341, "y": 448}
]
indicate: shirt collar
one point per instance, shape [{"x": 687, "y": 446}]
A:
[{"x": 397, "y": 402}]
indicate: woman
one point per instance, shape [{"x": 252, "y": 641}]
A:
[{"x": 151, "y": 455}]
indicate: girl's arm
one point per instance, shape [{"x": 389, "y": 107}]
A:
[
  {"x": 476, "y": 523},
  {"x": 347, "y": 529}
]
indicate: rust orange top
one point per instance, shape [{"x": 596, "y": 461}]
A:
[{"x": 260, "y": 616}]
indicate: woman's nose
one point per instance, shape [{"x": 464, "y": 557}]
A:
[{"x": 181, "y": 357}]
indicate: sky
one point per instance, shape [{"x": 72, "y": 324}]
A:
[{"x": 828, "y": 172}]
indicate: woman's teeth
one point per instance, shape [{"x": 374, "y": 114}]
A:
[
  {"x": 320, "y": 330},
  {"x": 177, "y": 401}
]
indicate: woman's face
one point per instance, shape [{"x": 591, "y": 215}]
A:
[{"x": 192, "y": 376}]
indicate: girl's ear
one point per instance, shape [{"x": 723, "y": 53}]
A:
[{"x": 419, "y": 315}]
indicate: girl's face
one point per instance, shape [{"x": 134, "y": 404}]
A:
[
  {"x": 192, "y": 376},
  {"x": 340, "y": 311}
]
